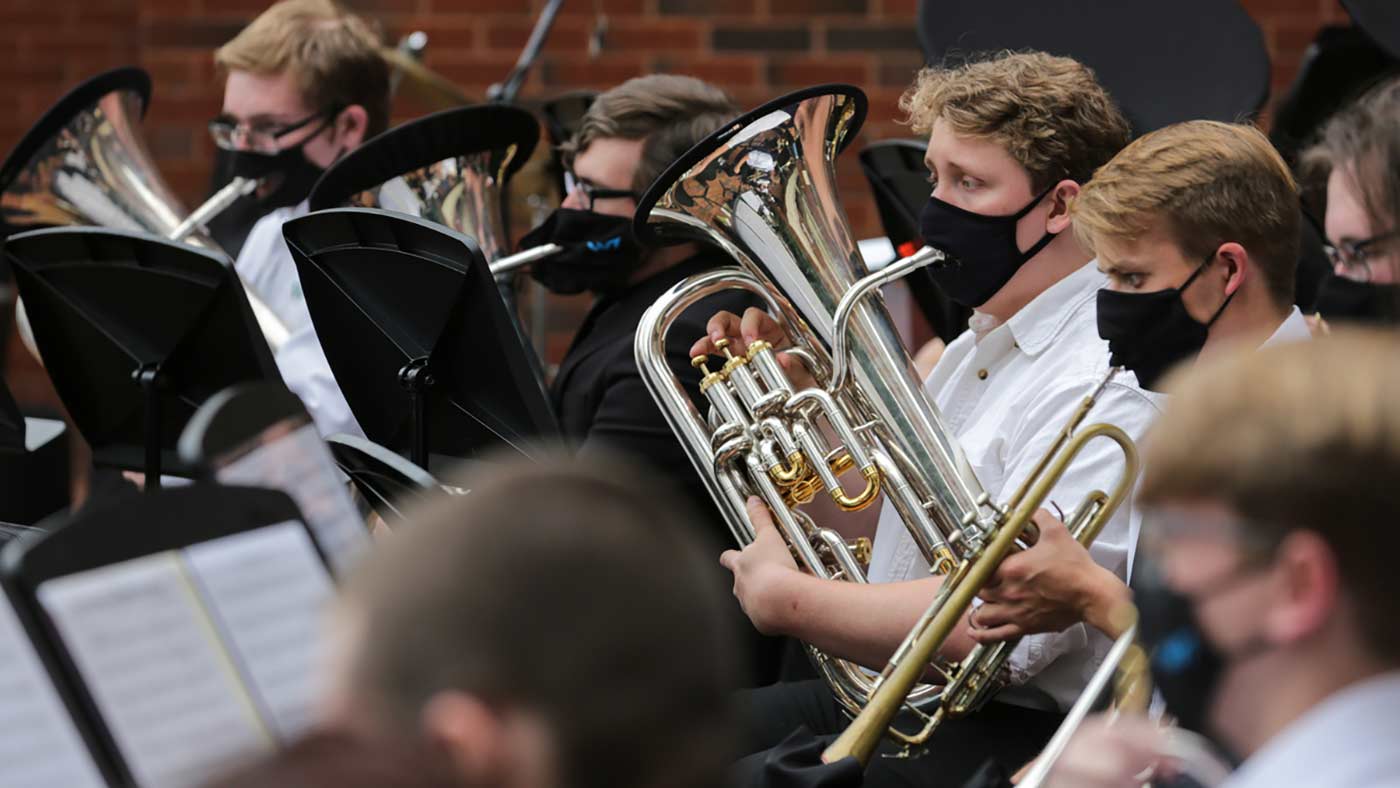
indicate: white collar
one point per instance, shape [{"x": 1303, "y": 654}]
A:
[
  {"x": 1035, "y": 325},
  {"x": 1294, "y": 328},
  {"x": 1352, "y": 732}
]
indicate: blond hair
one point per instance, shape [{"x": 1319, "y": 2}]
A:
[
  {"x": 332, "y": 53},
  {"x": 1298, "y": 436},
  {"x": 1208, "y": 183},
  {"x": 671, "y": 112},
  {"x": 1050, "y": 113}
]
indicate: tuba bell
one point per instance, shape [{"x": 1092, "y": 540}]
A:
[
  {"x": 763, "y": 189},
  {"x": 450, "y": 168},
  {"x": 86, "y": 163}
]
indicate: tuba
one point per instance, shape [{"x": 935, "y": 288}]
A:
[
  {"x": 450, "y": 168},
  {"x": 86, "y": 163},
  {"x": 764, "y": 190}
]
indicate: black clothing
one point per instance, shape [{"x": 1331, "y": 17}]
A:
[
  {"x": 1008, "y": 735},
  {"x": 603, "y": 404}
]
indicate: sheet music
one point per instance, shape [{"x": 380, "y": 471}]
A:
[
  {"x": 268, "y": 590},
  {"x": 149, "y": 656},
  {"x": 40, "y": 746},
  {"x": 300, "y": 465}
]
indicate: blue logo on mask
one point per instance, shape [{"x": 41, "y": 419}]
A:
[{"x": 602, "y": 246}]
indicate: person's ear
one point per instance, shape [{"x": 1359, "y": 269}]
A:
[
  {"x": 1306, "y": 589},
  {"x": 1058, "y": 219},
  {"x": 473, "y": 735},
  {"x": 1235, "y": 264},
  {"x": 351, "y": 126}
]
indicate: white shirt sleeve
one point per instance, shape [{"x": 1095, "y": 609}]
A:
[
  {"x": 307, "y": 373},
  {"x": 1097, "y": 467}
]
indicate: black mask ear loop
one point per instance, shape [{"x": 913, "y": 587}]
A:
[
  {"x": 1203, "y": 266},
  {"x": 1044, "y": 239}
]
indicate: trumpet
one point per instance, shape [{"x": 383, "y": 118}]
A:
[
  {"x": 1127, "y": 669},
  {"x": 763, "y": 189}
]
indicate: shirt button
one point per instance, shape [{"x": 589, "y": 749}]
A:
[{"x": 981, "y": 374}]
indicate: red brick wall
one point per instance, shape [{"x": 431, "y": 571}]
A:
[{"x": 754, "y": 48}]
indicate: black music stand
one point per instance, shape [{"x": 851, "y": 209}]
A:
[
  {"x": 135, "y": 332},
  {"x": 899, "y": 180},
  {"x": 33, "y": 463},
  {"x": 111, "y": 533},
  {"x": 417, "y": 335},
  {"x": 1162, "y": 62},
  {"x": 384, "y": 479}
]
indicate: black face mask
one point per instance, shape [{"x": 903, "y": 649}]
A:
[
  {"x": 289, "y": 171},
  {"x": 983, "y": 248},
  {"x": 1149, "y": 333},
  {"x": 1186, "y": 667},
  {"x": 600, "y": 252},
  {"x": 1346, "y": 300}
]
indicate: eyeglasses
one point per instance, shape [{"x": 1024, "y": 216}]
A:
[
  {"x": 1357, "y": 257},
  {"x": 261, "y": 137},
  {"x": 592, "y": 194}
]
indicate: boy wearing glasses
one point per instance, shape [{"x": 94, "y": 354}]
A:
[
  {"x": 630, "y": 135},
  {"x": 305, "y": 84},
  {"x": 1357, "y": 158}
]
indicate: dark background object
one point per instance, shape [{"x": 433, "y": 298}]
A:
[
  {"x": 1162, "y": 62},
  {"x": 899, "y": 181}
]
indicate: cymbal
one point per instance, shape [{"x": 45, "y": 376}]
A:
[{"x": 424, "y": 85}]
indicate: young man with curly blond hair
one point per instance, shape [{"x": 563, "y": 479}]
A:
[{"x": 1011, "y": 140}]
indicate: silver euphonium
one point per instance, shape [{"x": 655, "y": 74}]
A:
[
  {"x": 764, "y": 190},
  {"x": 86, "y": 163},
  {"x": 450, "y": 168}
]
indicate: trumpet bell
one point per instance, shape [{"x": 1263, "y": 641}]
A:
[{"x": 450, "y": 168}]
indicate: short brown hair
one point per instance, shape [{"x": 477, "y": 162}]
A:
[
  {"x": 1364, "y": 138},
  {"x": 333, "y": 53},
  {"x": 1210, "y": 183},
  {"x": 1298, "y": 436},
  {"x": 1050, "y": 113},
  {"x": 576, "y": 591},
  {"x": 671, "y": 112}
]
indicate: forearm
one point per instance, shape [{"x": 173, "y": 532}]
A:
[
  {"x": 863, "y": 623},
  {"x": 1103, "y": 595}
]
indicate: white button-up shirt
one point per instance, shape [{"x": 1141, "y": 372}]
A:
[
  {"x": 266, "y": 265},
  {"x": 1347, "y": 741},
  {"x": 1005, "y": 398}
]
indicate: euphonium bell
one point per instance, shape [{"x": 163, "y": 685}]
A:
[
  {"x": 764, "y": 190},
  {"x": 86, "y": 163},
  {"x": 450, "y": 167}
]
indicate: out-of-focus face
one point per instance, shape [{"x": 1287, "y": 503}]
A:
[
  {"x": 607, "y": 163},
  {"x": 1348, "y": 223},
  {"x": 1201, "y": 553},
  {"x": 1153, "y": 261},
  {"x": 263, "y": 101}
]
